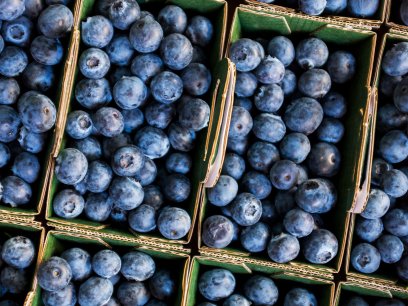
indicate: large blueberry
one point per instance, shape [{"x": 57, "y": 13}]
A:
[
  {"x": 90, "y": 147},
  {"x": 162, "y": 285},
  {"x": 13, "y": 61},
  {"x": 64, "y": 297},
  {"x": 68, "y": 204},
  {"x": 79, "y": 261},
  {"x": 269, "y": 98},
  {"x": 18, "y": 31},
  {"x": 295, "y": 147},
  {"x": 390, "y": 117},
  {"x": 108, "y": 121},
  {"x": 377, "y": 205},
  {"x": 159, "y": 115},
  {"x": 314, "y": 83},
  {"x": 241, "y": 122},
  {"x": 316, "y": 195},
  {"x": 126, "y": 193},
  {"x": 137, "y": 266},
  {"x": 269, "y": 127},
  {"x": 284, "y": 174},
  {"x": 47, "y": 51},
  {"x": 179, "y": 162},
  {"x": 300, "y": 296},
  {"x": 71, "y": 166},
  {"x": 341, "y": 66},
  {"x": 106, "y": 263},
  {"x": 298, "y": 223},
  {"x": 368, "y": 229},
  {"x": 246, "y": 209},
  {"x": 194, "y": 114},
  {"x": 174, "y": 222},
  {"x": 123, "y": 13},
  {"x": 167, "y": 87},
  {"x": 133, "y": 293},
  {"x": 312, "y": 7},
  {"x": 303, "y": 115},
  {"x": 261, "y": 290},
  {"x": 365, "y": 258},
  {"x": 153, "y": 142},
  {"x": 54, "y": 274},
  {"x": 330, "y": 130},
  {"x": 394, "y": 183},
  {"x": 177, "y": 188},
  {"x": 27, "y": 167},
  {"x": 200, "y": 30},
  {"x": 146, "y": 34},
  {"x": 363, "y": 8},
  {"x": 196, "y": 79},
  {"x": 119, "y": 50},
  {"x": 320, "y": 246},
  {"x": 130, "y": 92},
  {"x": 94, "y": 63},
  {"x": 38, "y": 77},
  {"x": 79, "y": 124},
  {"x": 176, "y": 51},
  {"x": 390, "y": 247},
  {"x": 394, "y": 146},
  {"x": 282, "y": 48},
  {"x": 218, "y": 231},
  {"x": 223, "y": 192},
  {"x": 173, "y": 19},
  {"x": 216, "y": 284},
  {"x": 55, "y": 21},
  {"x": 180, "y": 138},
  {"x": 18, "y": 252},
  {"x": 311, "y": 53},
  {"x": 324, "y": 159},
  {"x": 9, "y": 90},
  {"x": 146, "y": 66},
  {"x": 283, "y": 248},
  {"x": 396, "y": 222},
  {"x": 270, "y": 71},
  {"x": 98, "y": 206},
  {"x": 246, "y": 54},
  {"x": 95, "y": 291},
  {"x": 334, "y": 105},
  {"x": 11, "y": 9},
  {"x": 98, "y": 177},
  {"x": 254, "y": 238},
  {"x": 260, "y": 155},
  {"x": 9, "y": 123},
  {"x": 142, "y": 219},
  {"x": 127, "y": 161},
  {"x": 93, "y": 93},
  {"x": 97, "y": 31},
  {"x": 395, "y": 61},
  {"x": 133, "y": 119},
  {"x": 256, "y": 183}
]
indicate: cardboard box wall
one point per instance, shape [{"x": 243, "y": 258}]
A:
[
  {"x": 205, "y": 155},
  {"x": 352, "y": 185},
  {"x": 11, "y": 226},
  {"x": 59, "y": 96},
  {"x": 57, "y": 241},
  {"x": 285, "y": 280}
]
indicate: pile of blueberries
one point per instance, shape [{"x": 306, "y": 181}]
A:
[
  {"x": 382, "y": 228},
  {"x": 360, "y": 301},
  {"x": 138, "y": 108},
  {"x": 276, "y": 183},
  {"x": 354, "y": 8},
  {"x": 17, "y": 257},
  {"x": 220, "y": 284},
  {"x": 104, "y": 279},
  {"x": 30, "y": 52}
]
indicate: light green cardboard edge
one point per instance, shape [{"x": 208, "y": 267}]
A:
[
  {"x": 217, "y": 9},
  {"x": 257, "y": 23},
  {"x": 56, "y": 242},
  {"x": 324, "y": 293}
]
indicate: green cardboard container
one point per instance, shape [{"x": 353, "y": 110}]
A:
[
  {"x": 221, "y": 70},
  {"x": 369, "y": 23},
  {"x": 370, "y": 292},
  {"x": 284, "y": 280},
  {"x": 11, "y": 226},
  {"x": 387, "y": 273},
  {"x": 56, "y": 242},
  {"x": 254, "y": 23},
  {"x": 58, "y": 95}
]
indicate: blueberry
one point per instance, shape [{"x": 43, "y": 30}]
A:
[
  {"x": 269, "y": 127},
  {"x": 379, "y": 167},
  {"x": 27, "y": 167},
  {"x": 90, "y": 147},
  {"x": 110, "y": 145},
  {"x": 389, "y": 117},
  {"x": 270, "y": 71},
  {"x": 55, "y": 21},
  {"x": 324, "y": 159},
  {"x": 18, "y": 31},
  {"x": 37, "y": 112},
  {"x": 312, "y": 7},
  {"x": 388, "y": 84},
  {"x": 15, "y": 191},
  {"x": 9, "y": 123},
  {"x": 94, "y": 63},
  {"x": 98, "y": 177},
  {"x": 316, "y": 195},
  {"x": 295, "y": 147},
  {"x": 196, "y": 79},
  {"x": 98, "y": 206},
  {"x": 133, "y": 119},
  {"x": 174, "y": 223},
  {"x": 341, "y": 66},
  {"x": 403, "y": 12},
  {"x": 130, "y": 92},
  {"x": 180, "y": 138},
  {"x": 320, "y": 246},
  {"x": 298, "y": 223},
  {"x": 299, "y": 296},
  {"x": 394, "y": 183},
  {"x": 153, "y": 196},
  {"x": 33, "y": 8},
  {"x": 241, "y": 122},
  {"x": 396, "y": 222},
  {"x": 235, "y": 300},
  {"x": 179, "y": 162},
  {"x": 13, "y": 61},
  {"x": 146, "y": 34},
  {"x": 9, "y": 90},
  {"x": 64, "y": 297},
  {"x": 47, "y": 51},
  {"x": 137, "y": 266},
  {"x": 238, "y": 145},
  {"x": 167, "y": 87},
  {"x": 68, "y": 204},
  {"x": 246, "y": 209},
  {"x": 176, "y": 51},
  {"x": 395, "y": 61},
  {"x": 260, "y": 155},
  {"x": 133, "y": 293},
  {"x": 377, "y": 205},
  {"x": 118, "y": 216},
  {"x": 282, "y": 48},
  {"x": 126, "y": 193},
  {"x": 38, "y": 77},
  {"x": 162, "y": 285},
  {"x": 148, "y": 173},
  {"x": 283, "y": 248},
  {"x": 288, "y": 83},
  {"x": 54, "y": 274},
  {"x": 11, "y": 9},
  {"x": 330, "y": 130},
  {"x": 200, "y": 30},
  {"x": 216, "y": 284},
  {"x": 363, "y": 8},
  {"x": 146, "y": 66},
  {"x": 108, "y": 121},
  {"x": 256, "y": 183},
  {"x": 402, "y": 268},
  {"x": 106, "y": 263},
  {"x": 95, "y": 291},
  {"x": 390, "y": 247},
  {"x": 71, "y": 166},
  {"x": 254, "y": 238},
  {"x": 335, "y": 7},
  {"x": 14, "y": 280},
  {"x": 123, "y": 13},
  {"x": 334, "y": 105},
  {"x": 314, "y": 83},
  {"x": 127, "y": 161},
  {"x": 93, "y": 93},
  {"x": 368, "y": 229},
  {"x": 119, "y": 50},
  {"x": 218, "y": 232},
  {"x": 311, "y": 53},
  {"x": 177, "y": 188},
  {"x": 194, "y": 114},
  {"x": 18, "y": 252},
  {"x": 4, "y": 155},
  {"x": 261, "y": 290},
  {"x": 245, "y": 84},
  {"x": 79, "y": 261},
  {"x": 269, "y": 98},
  {"x": 284, "y": 174},
  {"x": 365, "y": 258},
  {"x": 246, "y": 54},
  {"x": 142, "y": 219},
  {"x": 173, "y": 19},
  {"x": 153, "y": 142},
  {"x": 79, "y": 124},
  {"x": 303, "y": 115},
  {"x": 97, "y": 31}
]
